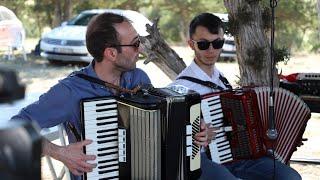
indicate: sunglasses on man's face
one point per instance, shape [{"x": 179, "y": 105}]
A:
[
  {"x": 204, "y": 45},
  {"x": 135, "y": 45}
]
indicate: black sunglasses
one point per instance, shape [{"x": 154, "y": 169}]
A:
[
  {"x": 204, "y": 45},
  {"x": 135, "y": 45}
]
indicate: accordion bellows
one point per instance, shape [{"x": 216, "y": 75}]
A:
[{"x": 243, "y": 118}]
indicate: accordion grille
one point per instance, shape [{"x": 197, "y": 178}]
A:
[{"x": 145, "y": 136}]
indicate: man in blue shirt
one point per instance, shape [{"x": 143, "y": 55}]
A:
[{"x": 114, "y": 44}]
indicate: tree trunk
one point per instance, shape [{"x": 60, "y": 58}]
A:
[
  {"x": 57, "y": 13},
  {"x": 318, "y": 11},
  {"x": 253, "y": 48},
  {"x": 160, "y": 53},
  {"x": 67, "y": 10}
]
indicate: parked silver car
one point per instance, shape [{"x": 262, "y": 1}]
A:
[{"x": 67, "y": 42}]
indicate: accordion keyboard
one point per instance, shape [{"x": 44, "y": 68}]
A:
[
  {"x": 102, "y": 127},
  {"x": 220, "y": 149}
]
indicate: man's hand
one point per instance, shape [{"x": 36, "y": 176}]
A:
[
  {"x": 211, "y": 132},
  {"x": 72, "y": 156},
  {"x": 201, "y": 138}
]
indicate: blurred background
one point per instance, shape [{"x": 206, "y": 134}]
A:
[{"x": 297, "y": 24}]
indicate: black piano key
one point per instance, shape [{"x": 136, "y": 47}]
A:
[
  {"x": 217, "y": 123},
  {"x": 223, "y": 149},
  {"x": 106, "y": 141},
  {"x": 103, "y": 131},
  {"x": 213, "y": 102},
  {"x": 106, "y": 117},
  {"x": 106, "y": 109},
  {"x": 224, "y": 155},
  {"x": 107, "y": 178},
  {"x": 220, "y": 134},
  {"x": 108, "y": 160},
  {"x": 107, "y": 171},
  {"x": 221, "y": 146},
  {"x": 107, "y": 135},
  {"x": 223, "y": 159},
  {"x": 105, "y": 104},
  {"x": 106, "y": 123},
  {"x": 109, "y": 165},
  {"x": 107, "y": 148},
  {"x": 106, "y": 154}
]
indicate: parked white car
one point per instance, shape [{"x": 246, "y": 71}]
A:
[
  {"x": 229, "y": 47},
  {"x": 12, "y": 32},
  {"x": 67, "y": 42}
]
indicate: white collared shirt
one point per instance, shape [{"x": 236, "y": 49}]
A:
[{"x": 193, "y": 70}]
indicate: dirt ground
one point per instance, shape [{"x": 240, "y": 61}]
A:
[{"x": 38, "y": 75}]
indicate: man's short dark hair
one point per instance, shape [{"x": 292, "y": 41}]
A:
[
  {"x": 101, "y": 32},
  {"x": 211, "y": 22}
]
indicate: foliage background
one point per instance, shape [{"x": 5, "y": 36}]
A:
[{"x": 297, "y": 25}]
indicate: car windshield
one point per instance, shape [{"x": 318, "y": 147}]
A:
[{"x": 81, "y": 20}]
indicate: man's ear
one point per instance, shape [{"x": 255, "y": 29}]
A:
[
  {"x": 191, "y": 44},
  {"x": 110, "y": 53}
]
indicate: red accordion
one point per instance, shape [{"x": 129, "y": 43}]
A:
[{"x": 242, "y": 118}]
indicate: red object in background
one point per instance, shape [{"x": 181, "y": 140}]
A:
[{"x": 289, "y": 78}]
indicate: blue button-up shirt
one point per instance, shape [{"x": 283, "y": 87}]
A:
[{"x": 61, "y": 104}]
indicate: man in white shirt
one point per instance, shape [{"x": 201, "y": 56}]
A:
[{"x": 206, "y": 40}]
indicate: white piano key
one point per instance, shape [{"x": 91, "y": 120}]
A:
[
  {"x": 221, "y": 139},
  {"x": 189, "y": 140},
  {"x": 104, "y": 158},
  {"x": 94, "y": 115},
  {"x": 223, "y": 143},
  {"x": 94, "y": 127},
  {"x": 94, "y": 144},
  {"x": 107, "y": 165},
  {"x": 189, "y": 150},
  {"x": 105, "y": 133},
  {"x": 113, "y": 150},
  {"x": 95, "y": 174},
  {"x": 217, "y": 116},
  {"x": 221, "y": 153},
  {"x": 188, "y": 129}
]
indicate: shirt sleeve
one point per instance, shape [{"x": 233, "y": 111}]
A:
[
  {"x": 53, "y": 107},
  {"x": 140, "y": 78}
]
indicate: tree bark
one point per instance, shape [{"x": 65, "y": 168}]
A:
[
  {"x": 248, "y": 37},
  {"x": 67, "y": 10},
  {"x": 160, "y": 53},
  {"x": 57, "y": 13},
  {"x": 318, "y": 11}
]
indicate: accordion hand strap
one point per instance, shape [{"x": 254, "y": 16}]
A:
[{"x": 108, "y": 85}]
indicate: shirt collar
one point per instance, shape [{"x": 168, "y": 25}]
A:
[
  {"x": 90, "y": 70},
  {"x": 200, "y": 74},
  {"x": 125, "y": 79}
]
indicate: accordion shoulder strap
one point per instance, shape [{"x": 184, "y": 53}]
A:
[
  {"x": 107, "y": 84},
  {"x": 208, "y": 83}
]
